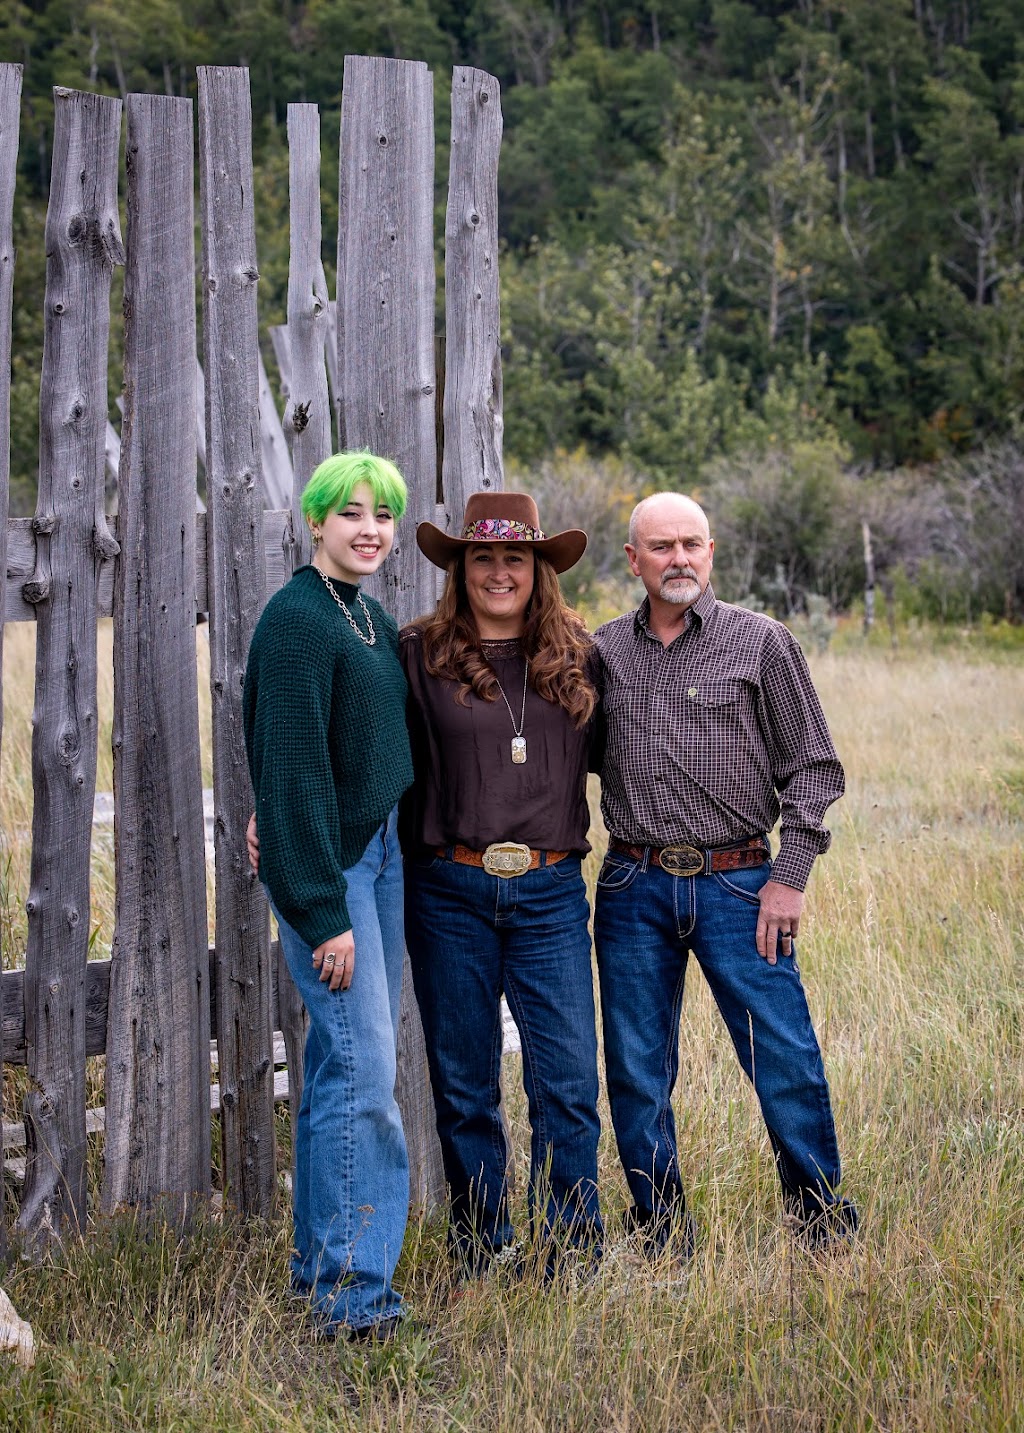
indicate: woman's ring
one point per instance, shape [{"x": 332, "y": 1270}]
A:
[{"x": 329, "y": 958}]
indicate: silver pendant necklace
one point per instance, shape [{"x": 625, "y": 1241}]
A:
[
  {"x": 518, "y": 741},
  {"x": 369, "y": 640}
]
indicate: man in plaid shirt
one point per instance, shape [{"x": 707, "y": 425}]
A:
[{"x": 712, "y": 731}]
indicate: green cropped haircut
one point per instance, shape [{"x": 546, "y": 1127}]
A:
[{"x": 332, "y": 484}]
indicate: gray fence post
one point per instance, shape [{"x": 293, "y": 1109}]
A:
[
  {"x": 308, "y": 416},
  {"x": 83, "y": 244},
  {"x": 386, "y": 297},
  {"x": 386, "y": 384},
  {"x": 472, "y": 381},
  {"x": 158, "y": 1020},
  {"x": 10, "y": 112},
  {"x": 236, "y": 568}
]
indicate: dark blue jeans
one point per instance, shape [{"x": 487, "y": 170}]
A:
[
  {"x": 647, "y": 923},
  {"x": 472, "y": 937}
]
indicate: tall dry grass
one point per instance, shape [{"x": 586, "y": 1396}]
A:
[{"x": 912, "y": 954}]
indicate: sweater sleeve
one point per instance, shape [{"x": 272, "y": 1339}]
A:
[{"x": 287, "y": 709}]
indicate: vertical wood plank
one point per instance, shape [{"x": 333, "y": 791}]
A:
[
  {"x": 281, "y": 344},
  {"x": 472, "y": 382},
  {"x": 236, "y": 577},
  {"x": 386, "y": 382},
  {"x": 277, "y": 465},
  {"x": 83, "y": 244},
  {"x": 158, "y": 1025},
  {"x": 10, "y": 111},
  {"x": 308, "y": 416},
  {"x": 472, "y": 398},
  {"x": 293, "y": 1023},
  {"x": 386, "y": 298}
]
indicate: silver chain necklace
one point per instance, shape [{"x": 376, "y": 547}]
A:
[
  {"x": 372, "y": 638},
  {"x": 518, "y": 741}
]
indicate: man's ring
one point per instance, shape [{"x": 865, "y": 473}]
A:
[{"x": 786, "y": 934}]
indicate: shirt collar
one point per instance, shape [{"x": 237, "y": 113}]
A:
[{"x": 701, "y": 613}]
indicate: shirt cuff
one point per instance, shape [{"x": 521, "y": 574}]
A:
[{"x": 792, "y": 866}]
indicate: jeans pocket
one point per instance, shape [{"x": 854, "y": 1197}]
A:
[
  {"x": 617, "y": 872},
  {"x": 423, "y": 861},
  {"x": 745, "y": 884},
  {"x": 566, "y": 870}
]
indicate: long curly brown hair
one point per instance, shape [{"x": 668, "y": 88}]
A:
[{"x": 554, "y": 641}]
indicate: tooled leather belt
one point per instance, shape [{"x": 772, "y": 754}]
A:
[
  {"x": 683, "y": 860},
  {"x": 502, "y": 857}
]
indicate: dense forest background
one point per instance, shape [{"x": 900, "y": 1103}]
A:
[{"x": 772, "y": 253}]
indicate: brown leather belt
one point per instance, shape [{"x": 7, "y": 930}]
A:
[
  {"x": 502, "y": 858},
  {"x": 683, "y": 860}
]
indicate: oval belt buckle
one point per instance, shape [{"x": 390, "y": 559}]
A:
[
  {"x": 507, "y": 858},
  {"x": 682, "y": 860}
]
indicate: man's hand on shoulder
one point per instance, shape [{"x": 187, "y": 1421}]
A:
[{"x": 779, "y": 920}]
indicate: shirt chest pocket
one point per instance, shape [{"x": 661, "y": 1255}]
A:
[{"x": 710, "y": 697}]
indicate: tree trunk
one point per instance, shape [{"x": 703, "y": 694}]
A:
[{"x": 869, "y": 578}]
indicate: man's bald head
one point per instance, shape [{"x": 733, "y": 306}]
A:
[
  {"x": 670, "y": 549},
  {"x": 664, "y": 506}
]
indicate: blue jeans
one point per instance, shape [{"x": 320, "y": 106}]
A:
[
  {"x": 647, "y": 922},
  {"x": 472, "y": 937},
  {"x": 351, "y": 1181}
]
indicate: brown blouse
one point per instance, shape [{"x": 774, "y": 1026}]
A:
[{"x": 466, "y": 788}]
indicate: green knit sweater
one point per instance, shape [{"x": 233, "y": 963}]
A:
[{"x": 327, "y": 744}]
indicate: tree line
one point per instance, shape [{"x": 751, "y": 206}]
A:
[{"x": 744, "y": 232}]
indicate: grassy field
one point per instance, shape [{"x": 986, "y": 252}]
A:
[{"x": 912, "y": 953}]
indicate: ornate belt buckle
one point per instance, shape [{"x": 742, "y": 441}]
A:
[
  {"x": 682, "y": 860},
  {"x": 507, "y": 858}
]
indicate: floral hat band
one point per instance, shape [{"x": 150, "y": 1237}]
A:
[
  {"x": 501, "y": 517},
  {"x": 501, "y": 529}
]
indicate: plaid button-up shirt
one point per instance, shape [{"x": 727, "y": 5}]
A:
[{"x": 710, "y": 739}]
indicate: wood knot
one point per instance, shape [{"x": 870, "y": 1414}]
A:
[
  {"x": 300, "y": 417},
  {"x": 44, "y": 523},
  {"x": 36, "y": 590},
  {"x": 69, "y": 748},
  {"x": 104, "y": 543}
]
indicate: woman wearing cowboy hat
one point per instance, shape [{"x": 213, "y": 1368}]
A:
[{"x": 501, "y": 703}]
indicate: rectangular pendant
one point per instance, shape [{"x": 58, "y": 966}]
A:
[{"x": 518, "y": 750}]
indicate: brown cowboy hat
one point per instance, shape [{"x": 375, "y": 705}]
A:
[{"x": 502, "y": 517}]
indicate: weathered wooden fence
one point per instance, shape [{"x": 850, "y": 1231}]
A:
[{"x": 152, "y": 1008}]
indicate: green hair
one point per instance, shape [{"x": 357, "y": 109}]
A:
[{"x": 332, "y": 484}]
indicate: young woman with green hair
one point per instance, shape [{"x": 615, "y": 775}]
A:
[{"x": 324, "y": 712}]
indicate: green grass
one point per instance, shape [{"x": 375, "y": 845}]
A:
[{"x": 912, "y": 954}]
